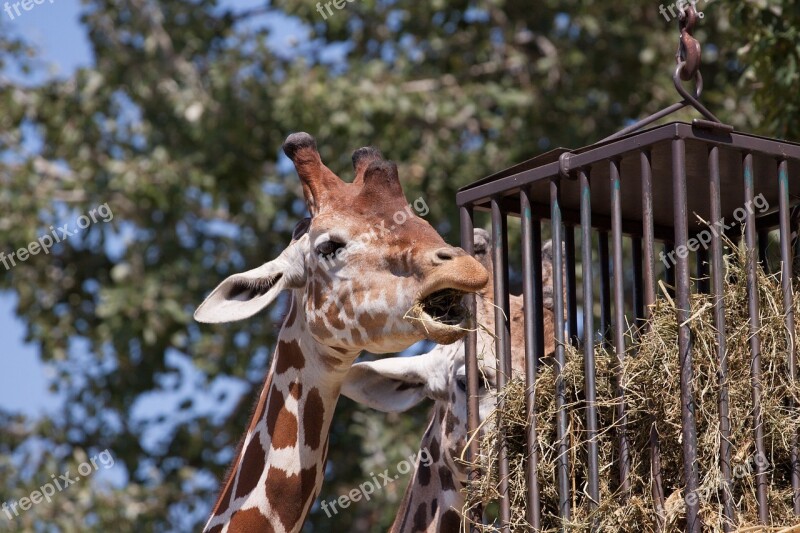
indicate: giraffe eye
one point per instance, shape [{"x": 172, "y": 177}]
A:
[
  {"x": 328, "y": 248},
  {"x": 461, "y": 382}
]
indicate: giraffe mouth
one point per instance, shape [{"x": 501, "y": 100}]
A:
[{"x": 441, "y": 316}]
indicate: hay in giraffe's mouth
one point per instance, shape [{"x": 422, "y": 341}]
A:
[
  {"x": 445, "y": 307},
  {"x": 441, "y": 316}
]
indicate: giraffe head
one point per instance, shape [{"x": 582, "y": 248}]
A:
[
  {"x": 369, "y": 272},
  {"x": 397, "y": 384}
]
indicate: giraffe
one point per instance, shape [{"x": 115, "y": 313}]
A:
[
  {"x": 434, "y": 497},
  {"x": 361, "y": 277}
]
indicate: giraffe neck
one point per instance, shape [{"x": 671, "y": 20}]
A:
[
  {"x": 433, "y": 499},
  {"x": 279, "y": 468}
]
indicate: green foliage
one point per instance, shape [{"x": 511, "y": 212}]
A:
[
  {"x": 771, "y": 48},
  {"x": 177, "y": 127}
]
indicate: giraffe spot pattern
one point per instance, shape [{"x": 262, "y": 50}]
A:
[
  {"x": 313, "y": 413},
  {"x": 421, "y": 518},
  {"x": 450, "y": 422},
  {"x": 249, "y": 521},
  {"x": 296, "y": 390},
  {"x": 446, "y": 479},
  {"x": 434, "y": 450},
  {"x": 281, "y": 424},
  {"x": 317, "y": 323},
  {"x": 333, "y": 317},
  {"x": 356, "y": 336},
  {"x": 317, "y": 298},
  {"x": 289, "y": 356},
  {"x": 424, "y": 474},
  {"x": 289, "y": 494},
  {"x": 251, "y": 468},
  {"x": 374, "y": 323},
  {"x": 347, "y": 308},
  {"x": 450, "y": 522}
]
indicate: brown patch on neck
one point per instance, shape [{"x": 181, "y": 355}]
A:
[
  {"x": 313, "y": 416},
  {"x": 289, "y": 495},
  {"x": 446, "y": 478},
  {"x": 421, "y": 517},
  {"x": 288, "y": 355},
  {"x": 224, "y": 498},
  {"x": 281, "y": 424},
  {"x": 251, "y": 467},
  {"x": 434, "y": 449},
  {"x": 450, "y": 422},
  {"x": 250, "y": 520},
  {"x": 296, "y": 390},
  {"x": 450, "y": 522},
  {"x": 315, "y": 291}
]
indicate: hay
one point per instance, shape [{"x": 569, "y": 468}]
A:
[
  {"x": 444, "y": 306},
  {"x": 652, "y": 397}
]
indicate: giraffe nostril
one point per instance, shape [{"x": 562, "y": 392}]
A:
[{"x": 445, "y": 254}]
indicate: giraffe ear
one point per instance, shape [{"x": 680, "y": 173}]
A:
[
  {"x": 483, "y": 248},
  {"x": 397, "y": 384},
  {"x": 243, "y": 295}
]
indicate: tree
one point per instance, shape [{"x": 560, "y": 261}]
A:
[{"x": 177, "y": 128}]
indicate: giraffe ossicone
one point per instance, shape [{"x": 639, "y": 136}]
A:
[
  {"x": 434, "y": 497},
  {"x": 337, "y": 310}
]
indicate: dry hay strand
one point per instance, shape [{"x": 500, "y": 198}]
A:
[{"x": 649, "y": 381}]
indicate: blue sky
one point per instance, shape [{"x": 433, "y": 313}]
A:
[{"x": 54, "y": 28}]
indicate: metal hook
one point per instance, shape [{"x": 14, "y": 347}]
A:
[{"x": 689, "y": 48}]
